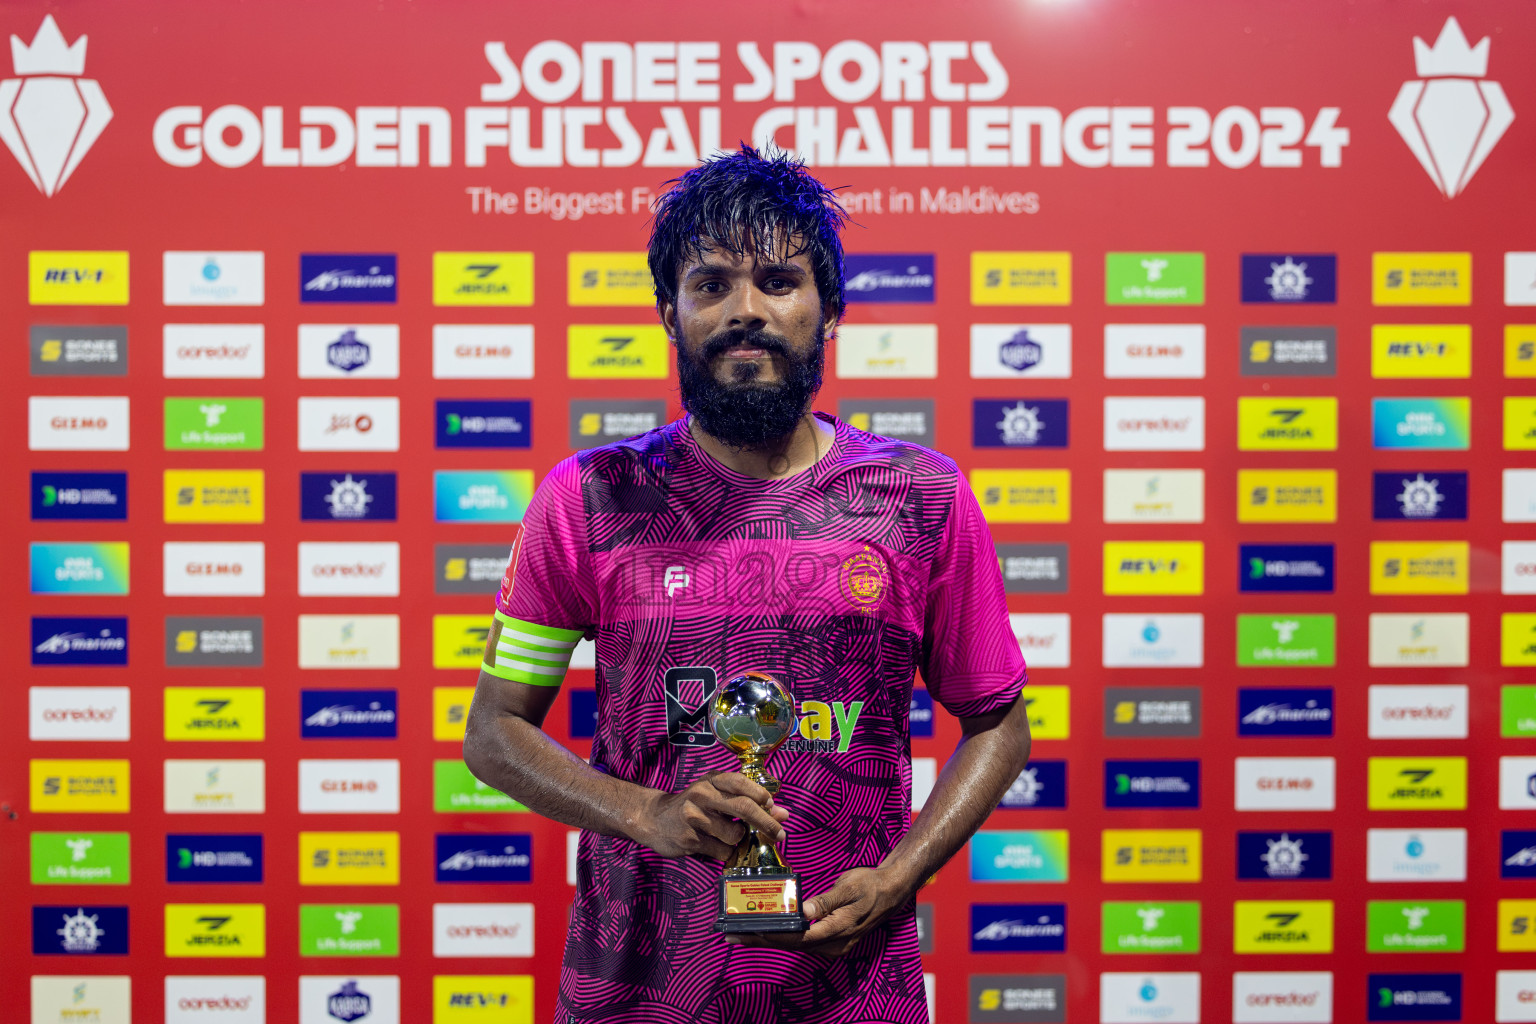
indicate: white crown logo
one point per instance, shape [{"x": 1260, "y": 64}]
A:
[
  {"x": 50, "y": 117},
  {"x": 1452, "y": 121}
]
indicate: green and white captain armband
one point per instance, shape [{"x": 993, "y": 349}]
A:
[{"x": 527, "y": 652}]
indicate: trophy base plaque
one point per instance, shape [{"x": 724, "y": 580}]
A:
[{"x": 760, "y": 903}]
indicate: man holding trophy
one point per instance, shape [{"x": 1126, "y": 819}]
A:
[{"x": 762, "y": 583}]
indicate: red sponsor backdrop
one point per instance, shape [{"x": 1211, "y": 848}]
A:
[{"x": 1066, "y": 55}]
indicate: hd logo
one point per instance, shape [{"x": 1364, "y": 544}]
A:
[
  {"x": 1417, "y": 783},
  {"x": 1288, "y": 926},
  {"x": 1287, "y": 424}
]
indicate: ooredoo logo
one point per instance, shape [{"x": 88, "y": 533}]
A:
[
  {"x": 482, "y": 929},
  {"x": 349, "y": 570},
  {"x": 50, "y": 115}
]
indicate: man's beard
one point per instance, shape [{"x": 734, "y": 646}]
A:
[{"x": 745, "y": 413}]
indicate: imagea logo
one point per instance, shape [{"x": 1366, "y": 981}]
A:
[
  {"x": 1042, "y": 784},
  {"x": 77, "y": 930},
  {"x": 347, "y": 277},
  {"x": 1285, "y": 712},
  {"x": 347, "y": 714},
  {"x": 1285, "y": 856},
  {"x": 1137, "y": 784},
  {"x": 1132, "y": 998},
  {"x": 80, "y": 496},
  {"x": 347, "y": 497},
  {"x": 1041, "y": 423},
  {"x": 1285, "y": 568},
  {"x": 1018, "y": 928},
  {"x": 1290, "y": 278},
  {"x": 1426, "y": 997},
  {"x": 1153, "y": 641},
  {"x": 1419, "y": 495},
  {"x": 1416, "y": 855},
  {"x": 79, "y": 641},
  {"x": 874, "y": 278},
  {"x": 52, "y": 114},
  {"x": 484, "y": 857},
  {"x": 213, "y": 858},
  {"x": 483, "y": 424},
  {"x": 1021, "y": 350}
]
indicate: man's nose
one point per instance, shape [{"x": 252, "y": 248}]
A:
[{"x": 744, "y": 307}]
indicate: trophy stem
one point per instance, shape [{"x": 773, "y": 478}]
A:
[{"x": 752, "y": 767}]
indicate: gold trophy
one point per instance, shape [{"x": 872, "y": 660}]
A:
[{"x": 752, "y": 715}]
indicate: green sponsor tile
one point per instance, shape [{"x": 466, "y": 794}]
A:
[
  {"x": 1518, "y": 706},
  {"x": 80, "y": 858},
  {"x": 1132, "y": 927},
  {"x": 455, "y": 790},
  {"x": 1154, "y": 278},
  {"x": 213, "y": 424},
  {"x": 1415, "y": 926},
  {"x": 349, "y": 929},
  {"x": 1285, "y": 641}
]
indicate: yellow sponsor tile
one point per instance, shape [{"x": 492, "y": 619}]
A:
[
  {"x": 1024, "y": 495},
  {"x": 215, "y": 495},
  {"x": 450, "y": 711},
  {"x": 1416, "y": 783},
  {"x": 482, "y": 279},
  {"x": 1282, "y": 926},
  {"x": 1050, "y": 711},
  {"x": 1517, "y": 926},
  {"x": 1151, "y": 855},
  {"x": 349, "y": 858},
  {"x": 458, "y": 641},
  {"x": 482, "y": 999},
  {"x": 1154, "y": 567},
  {"x": 77, "y": 278},
  {"x": 608, "y": 351},
  {"x": 1021, "y": 278},
  {"x": 215, "y": 929},
  {"x": 1520, "y": 350},
  {"x": 1517, "y": 639},
  {"x": 1419, "y": 567},
  {"x": 1421, "y": 278},
  {"x": 1519, "y": 423},
  {"x": 1287, "y": 495},
  {"x": 215, "y": 713},
  {"x": 1421, "y": 350},
  {"x": 609, "y": 279},
  {"x": 89, "y": 786},
  {"x": 1287, "y": 424}
]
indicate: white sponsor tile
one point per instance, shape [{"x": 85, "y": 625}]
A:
[
  {"x": 88, "y": 998},
  {"x": 357, "y": 998},
  {"x": 1154, "y": 495},
  {"x": 349, "y": 641},
  {"x": 1520, "y": 495},
  {"x": 78, "y": 713},
  {"x": 482, "y": 929},
  {"x": 1154, "y": 351},
  {"x": 370, "y": 569},
  {"x": 1515, "y": 1001},
  {"x": 1160, "y": 424},
  {"x": 991, "y": 356},
  {"x": 1405, "y": 640},
  {"x": 1137, "y": 997},
  {"x": 1046, "y": 640},
  {"x": 1282, "y": 997},
  {"x": 214, "y": 278},
  {"x": 334, "y": 786},
  {"x": 223, "y": 998},
  {"x": 1283, "y": 783},
  {"x": 1517, "y": 783},
  {"x": 482, "y": 351},
  {"x": 334, "y": 424},
  {"x": 909, "y": 351},
  {"x": 1519, "y": 560},
  {"x": 1154, "y": 641},
  {"x": 1520, "y": 279},
  {"x": 215, "y": 569},
  {"x": 215, "y": 787},
  {"x": 1417, "y": 712},
  {"x": 1416, "y": 855},
  {"x": 90, "y": 423},
  {"x": 214, "y": 351},
  {"x": 349, "y": 351}
]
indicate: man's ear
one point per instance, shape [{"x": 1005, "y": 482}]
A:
[
  {"x": 668, "y": 313},
  {"x": 830, "y": 317}
]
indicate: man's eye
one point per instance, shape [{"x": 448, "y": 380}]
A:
[
  {"x": 710, "y": 286},
  {"x": 776, "y": 283}
]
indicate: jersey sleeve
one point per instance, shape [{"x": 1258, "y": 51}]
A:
[
  {"x": 971, "y": 663},
  {"x": 548, "y": 597}
]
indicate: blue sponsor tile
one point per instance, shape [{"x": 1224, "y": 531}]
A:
[
  {"x": 920, "y": 714},
  {"x": 583, "y": 714},
  {"x": 76, "y": 640},
  {"x": 348, "y": 714},
  {"x": 1285, "y": 856},
  {"x": 1289, "y": 711},
  {"x": 347, "y": 277},
  {"x": 347, "y": 496},
  {"x": 483, "y": 857},
  {"x": 1419, "y": 495},
  {"x": 484, "y": 424},
  {"x": 1018, "y": 928},
  {"x": 79, "y": 496},
  {"x": 1290, "y": 278},
  {"x": 887, "y": 277},
  {"x": 1042, "y": 784},
  {"x": 1019, "y": 423},
  {"x": 1517, "y": 853},
  {"x": 1391, "y": 997},
  {"x": 213, "y": 857},
  {"x": 1132, "y": 784},
  {"x": 79, "y": 929},
  {"x": 1285, "y": 568}
]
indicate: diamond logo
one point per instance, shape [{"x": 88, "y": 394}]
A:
[
  {"x": 50, "y": 116},
  {"x": 1453, "y": 120}
]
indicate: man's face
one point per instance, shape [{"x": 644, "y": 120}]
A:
[{"x": 750, "y": 337}]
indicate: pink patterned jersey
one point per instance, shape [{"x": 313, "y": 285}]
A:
[{"x": 842, "y": 581}]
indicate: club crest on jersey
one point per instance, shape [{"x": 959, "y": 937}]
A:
[
  {"x": 865, "y": 579},
  {"x": 504, "y": 595}
]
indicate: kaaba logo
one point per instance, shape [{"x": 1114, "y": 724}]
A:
[
  {"x": 50, "y": 116},
  {"x": 864, "y": 578}
]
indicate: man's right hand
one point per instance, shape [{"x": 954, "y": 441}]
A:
[{"x": 709, "y": 817}]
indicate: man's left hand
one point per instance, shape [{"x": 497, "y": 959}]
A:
[{"x": 857, "y": 902}]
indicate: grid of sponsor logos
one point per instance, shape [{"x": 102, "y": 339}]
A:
[{"x": 1343, "y": 809}]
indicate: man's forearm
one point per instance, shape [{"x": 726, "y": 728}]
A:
[
  {"x": 516, "y": 757},
  {"x": 965, "y": 793}
]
